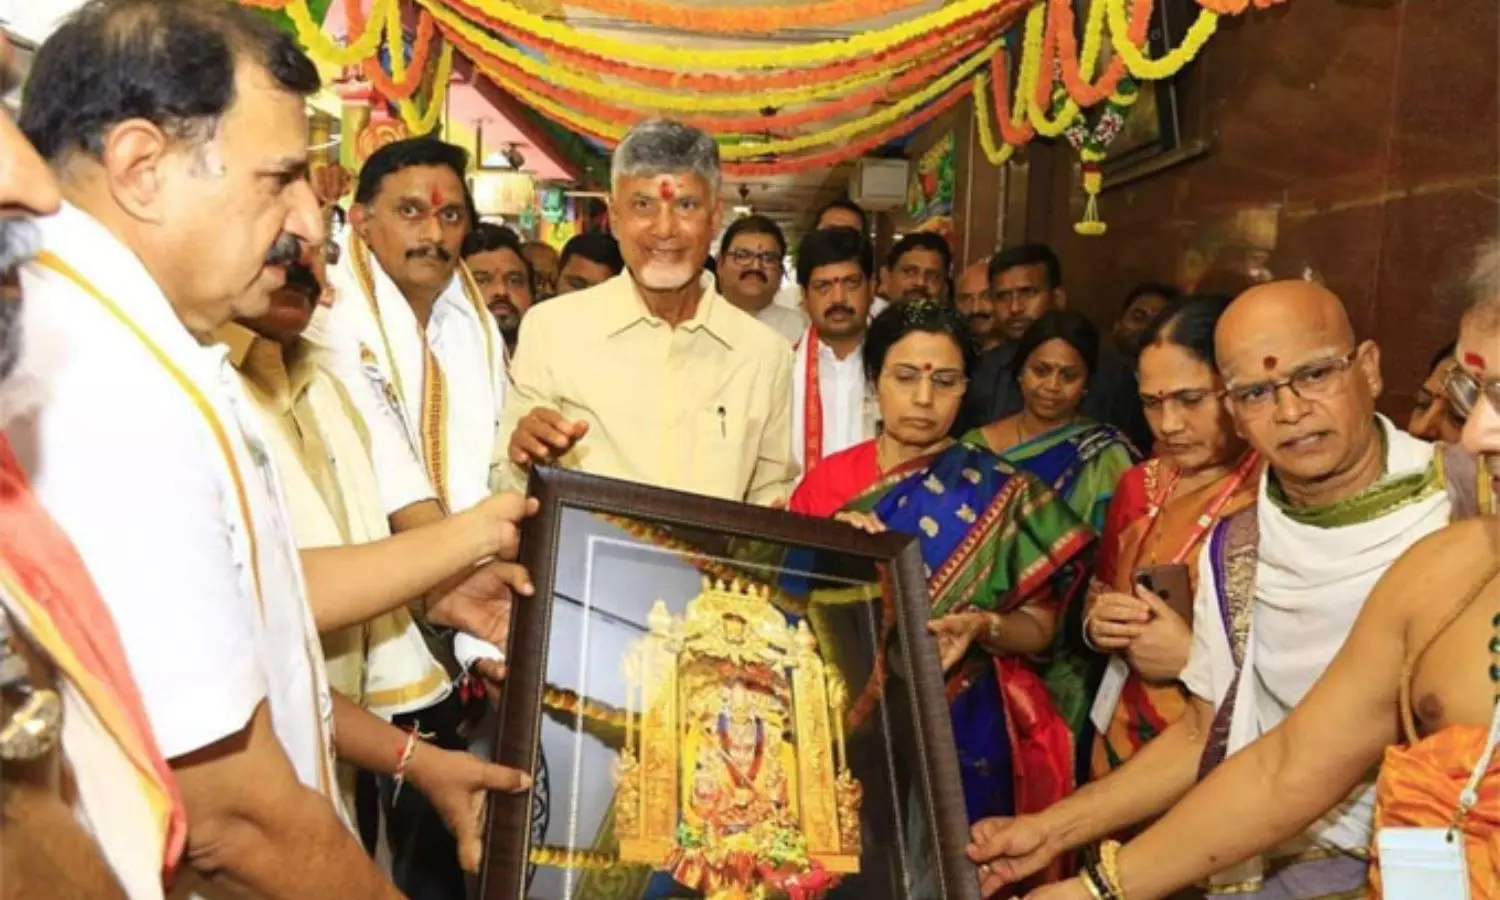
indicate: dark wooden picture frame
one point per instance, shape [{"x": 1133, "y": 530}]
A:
[{"x": 508, "y": 830}]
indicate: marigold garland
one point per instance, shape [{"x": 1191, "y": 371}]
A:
[
  {"x": 455, "y": 29},
  {"x": 426, "y": 122},
  {"x": 717, "y": 125},
  {"x": 696, "y": 59},
  {"x": 835, "y": 78},
  {"x": 1062, "y": 45},
  {"x": 1167, "y": 66},
  {"x": 405, "y": 76},
  {"x": 310, "y": 33},
  {"x": 846, "y": 130},
  {"x": 849, "y": 151},
  {"x": 756, "y": 19}
]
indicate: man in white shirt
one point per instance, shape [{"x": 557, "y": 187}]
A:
[
  {"x": 750, "y": 268},
  {"x": 832, "y": 407},
  {"x": 414, "y": 343},
  {"x": 186, "y": 189}
]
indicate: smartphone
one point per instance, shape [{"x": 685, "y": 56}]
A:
[{"x": 1172, "y": 584}]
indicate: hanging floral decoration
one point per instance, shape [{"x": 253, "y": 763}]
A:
[{"x": 861, "y": 91}]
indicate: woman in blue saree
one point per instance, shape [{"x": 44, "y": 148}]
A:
[{"x": 1001, "y": 553}]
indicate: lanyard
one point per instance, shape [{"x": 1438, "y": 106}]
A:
[{"x": 1210, "y": 514}]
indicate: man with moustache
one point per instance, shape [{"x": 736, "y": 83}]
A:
[
  {"x": 88, "y": 808},
  {"x": 1025, "y": 282},
  {"x": 972, "y": 295},
  {"x": 378, "y": 663},
  {"x": 1345, "y": 494},
  {"x": 917, "y": 268},
  {"x": 832, "y": 409},
  {"x": 414, "y": 343},
  {"x": 588, "y": 259},
  {"x": 187, "y": 192},
  {"x": 502, "y": 274},
  {"x": 750, "y": 260},
  {"x": 652, "y": 376}
]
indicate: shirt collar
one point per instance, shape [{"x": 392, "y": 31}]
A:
[
  {"x": 626, "y": 309},
  {"x": 281, "y": 376}
]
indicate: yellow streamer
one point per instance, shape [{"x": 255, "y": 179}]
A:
[
  {"x": 310, "y": 34},
  {"x": 423, "y": 123},
  {"x": 1156, "y": 69},
  {"x": 645, "y": 97},
  {"x": 731, "y": 152},
  {"x": 665, "y": 56}
]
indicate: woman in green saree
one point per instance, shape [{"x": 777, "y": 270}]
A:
[
  {"x": 1002, "y": 555},
  {"x": 1082, "y": 460}
]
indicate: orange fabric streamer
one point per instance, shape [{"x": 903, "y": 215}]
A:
[{"x": 1419, "y": 786}]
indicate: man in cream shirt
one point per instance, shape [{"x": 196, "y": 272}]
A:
[
  {"x": 836, "y": 270},
  {"x": 652, "y": 376}
]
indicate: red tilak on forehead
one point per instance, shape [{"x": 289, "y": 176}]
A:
[
  {"x": 1269, "y": 362},
  {"x": 666, "y": 188},
  {"x": 926, "y": 367},
  {"x": 1474, "y": 359},
  {"x": 437, "y": 199}
]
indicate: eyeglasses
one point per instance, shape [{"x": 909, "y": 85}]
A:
[
  {"x": 1463, "y": 391},
  {"x": 944, "y": 381},
  {"x": 1186, "y": 399},
  {"x": 743, "y": 257},
  {"x": 1314, "y": 381}
]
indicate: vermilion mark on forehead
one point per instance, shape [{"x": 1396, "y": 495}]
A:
[
  {"x": 926, "y": 367},
  {"x": 1269, "y": 362},
  {"x": 1474, "y": 360},
  {"x": 437, "y": 199},
  {"x": 666, "y": 188}
]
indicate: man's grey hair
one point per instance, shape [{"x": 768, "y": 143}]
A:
[
  {"x": 665, "y": 147},
  {"x": 1484, "y": 281}
]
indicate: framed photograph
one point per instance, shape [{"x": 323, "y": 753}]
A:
[{"x": 720, "y": 700}]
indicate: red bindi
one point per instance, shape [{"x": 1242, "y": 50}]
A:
[
  {"x": 926, "y": 367},
  {"x": 1474, "y": 360},
  {"x": 666, "y": 189},
  {"x": 437, "y": 199},
  {"x": 1269, "y": 362}
]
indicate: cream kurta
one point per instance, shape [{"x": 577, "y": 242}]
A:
[{"x": 700, "y": 408}]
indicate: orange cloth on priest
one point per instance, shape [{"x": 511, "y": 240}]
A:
[{"x": 1419, "y": 786}]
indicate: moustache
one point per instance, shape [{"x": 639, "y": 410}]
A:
[
  {"x": 300, "y": 277},
  {"x": 430, "y": 251},
  {"x": 286, "y": 250},
  {"x": 839, "y": 308},
  {"x": 754, "y": 273},
  {"x": 20, "y": 241}
]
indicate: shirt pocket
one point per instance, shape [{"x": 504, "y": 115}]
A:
[{"x": 724, "y": 451}]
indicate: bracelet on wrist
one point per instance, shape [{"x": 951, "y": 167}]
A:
[{"x": 408, "y": 751}]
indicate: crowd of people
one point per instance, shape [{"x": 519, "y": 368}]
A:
[{"x": 1208, "y": 620}]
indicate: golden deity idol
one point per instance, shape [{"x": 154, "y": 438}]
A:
[{"x": 733, "y": 774}]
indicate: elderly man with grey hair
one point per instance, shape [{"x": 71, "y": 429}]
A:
[{"x": 652, "y": 376}]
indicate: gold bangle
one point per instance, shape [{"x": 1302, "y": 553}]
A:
[{"x": 1109, "y": 868}]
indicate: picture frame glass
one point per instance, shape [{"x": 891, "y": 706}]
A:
[{"x": 722, "y": 714}]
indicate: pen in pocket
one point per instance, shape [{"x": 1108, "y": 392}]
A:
[{"x": 723, "y": 424}]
